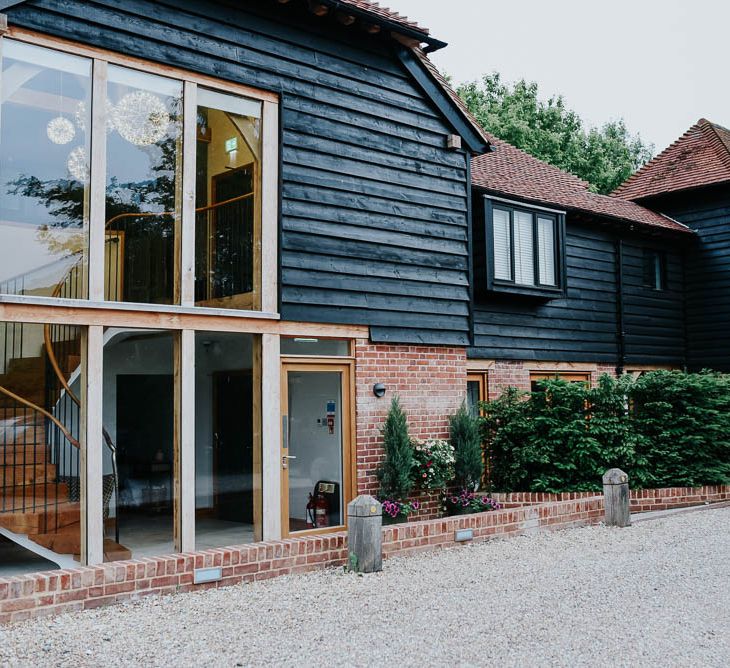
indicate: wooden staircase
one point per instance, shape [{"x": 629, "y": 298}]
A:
[{"x": 37, "y": 501}]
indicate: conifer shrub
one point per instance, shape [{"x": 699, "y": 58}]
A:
[
  {"x": 467, "y": 444},
  {"x": 395, "y": 472}
]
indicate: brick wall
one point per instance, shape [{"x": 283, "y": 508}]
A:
[
  {"x": 431, "y": 383},
  {"x": 55, "y": 592},
  {"x": 512, "y": 373}
]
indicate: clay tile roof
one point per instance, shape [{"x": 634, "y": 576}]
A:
[
  {"x": 700, "y": 157},
  {"x": 511, "y": 172},
  {"x": 385, "y": 13}
]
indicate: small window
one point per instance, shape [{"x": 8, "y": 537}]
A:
[
  {"x": 313, "y": 347},
  {"x": 523, "y": 247},
  {"x": 654, "y": 269}
]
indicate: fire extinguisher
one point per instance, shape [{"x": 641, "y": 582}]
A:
[{"x": 321, "y": 511}]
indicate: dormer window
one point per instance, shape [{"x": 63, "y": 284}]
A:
[{"x": 524, "y": 248}]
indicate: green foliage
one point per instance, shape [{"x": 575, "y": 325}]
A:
[
  {"x": 604, "y": 157},
  {"x": 394, "y": 473},
  {"x": 682, "y": 424},
  {"x": 466, "y": 441},
  {"x": 663, "y": 429}
]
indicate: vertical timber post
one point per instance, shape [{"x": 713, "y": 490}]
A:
[
  {"x": 616, "y": 498},
  {"x": 364, "y": 534}
]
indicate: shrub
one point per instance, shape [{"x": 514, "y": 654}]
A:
[
  {"x": 467, "y": 443},
  {"x": 663, "y": 429},
  {"x": 682, "y": 426},
  {"x": 395, "y": 473},
  {"x": 433, "y": 463}
]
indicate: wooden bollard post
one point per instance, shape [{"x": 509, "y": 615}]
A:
[
  {"x": 364, "y": 535},
  {"x": 616, "y": 498}
]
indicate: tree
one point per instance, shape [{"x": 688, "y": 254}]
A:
[
  {"x": 467, "y": 443},
  {"x": 394, "y": 473},
  {"x": 547, "y": 129}
]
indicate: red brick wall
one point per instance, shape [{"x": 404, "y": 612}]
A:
[
  {"x": 431, "y": 383},
  {"x": 511, "y": 373}
]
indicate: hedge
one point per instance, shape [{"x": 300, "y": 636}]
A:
[{"x": 665, "y": 429}]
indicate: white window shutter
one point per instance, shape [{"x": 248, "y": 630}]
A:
[
  {"x": 546, "y": 250},
  {"x": 502, "y": 245},
  {"x": 524, "y": 253}
]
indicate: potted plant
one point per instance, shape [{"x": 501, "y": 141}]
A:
[
  {"x": 433, "y": 468},
  {"x": 467, "y": 502},
  {"x": 395, "y": 472}
]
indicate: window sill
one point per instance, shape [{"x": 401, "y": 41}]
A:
[{"x": 526, "y": 290}]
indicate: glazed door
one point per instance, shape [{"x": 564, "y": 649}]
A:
[{"x": 315, "y": 452}]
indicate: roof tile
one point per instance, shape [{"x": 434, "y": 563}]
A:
[
  {"x": 700, "y": 157},
  {"x": 385, "y": 13},
  {"x": 512, "y": 172}
]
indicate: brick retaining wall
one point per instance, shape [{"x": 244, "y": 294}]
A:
[{"x": 55, "y": 592}]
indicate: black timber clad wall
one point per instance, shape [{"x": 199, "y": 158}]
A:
[
  {"x": 707, "y": 211},
  {"x": 583, "y": 326},
  {"x": 654, "y": 320},
  {"x": 374, "y": 208}
]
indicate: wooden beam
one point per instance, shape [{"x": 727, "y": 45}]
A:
[
  {"x": 97, "y": 184},
  {"x": 371, "y": 28},
  {"x": 115, "y": 314},
  {"x": 185, "y": 235},
  {"x": 269, "y": 268},
  {"x": 317, "y": 8},
  {"x": 184, "y": 442},
  {"x": 92, "y": 450},
  {"x": 271, "y": 436},
  {"x": 345, "y": 19}
]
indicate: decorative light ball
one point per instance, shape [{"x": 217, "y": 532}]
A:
[
  {"x": 60, "y": 130},
  {"x": 141, "y": 118},
  {"x": 81, "y": 116},
  {"x": 78, "y": 164}
]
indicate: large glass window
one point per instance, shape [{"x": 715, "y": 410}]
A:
[
  {"x": 44, "y": 177},
  {"x": 40, "y": 441},
  {"x": 524, "y": 247},
  {"x": 143, "y": 207},
  {"x": 227, "y": 440},
  {"x": 138, "y": 440},
  {"x": 227, "y": 221}
]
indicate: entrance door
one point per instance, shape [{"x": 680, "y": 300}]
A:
[{"x": 316, "y": 437}]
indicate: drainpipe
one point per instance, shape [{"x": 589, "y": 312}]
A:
[{"x": 620, "y": 332}]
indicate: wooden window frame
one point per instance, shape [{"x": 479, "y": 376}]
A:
[
  {"x": 568, "y": 376},
  {"x": 659, "y": 261},
  {"x": 500, "y": 285}
]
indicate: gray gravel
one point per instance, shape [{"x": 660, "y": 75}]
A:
[{"x": 658, "y": 592}]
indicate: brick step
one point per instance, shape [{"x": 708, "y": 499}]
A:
[
  {"x": 42, "y": 519},
  {"x": 26, "y": 474},
  {"x": 41, "y": 493},
  {"x": 11, "y": 455}
]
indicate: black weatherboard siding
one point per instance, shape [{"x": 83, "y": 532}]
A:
[
  {"x": 707, "y": 211},
  {"x": 374, "y": 207},
  {"x": 585, "y": 325}
]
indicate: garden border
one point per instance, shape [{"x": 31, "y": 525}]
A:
[{"x": 60, "y": 591}]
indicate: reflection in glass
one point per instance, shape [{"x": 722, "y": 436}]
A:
[
  {"x": 44, "y": 172},
  {"x": 40, "y": 482},
  {"x": 227, "y": 449},
  {"x": 300, "y": 345},
  {"x": 138, "y": 409},
  {"x": 227, "y": 237},
  {"x": 144, "y": 158},
  {"x": 314, "y": 449}
]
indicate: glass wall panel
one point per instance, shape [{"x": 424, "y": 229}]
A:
[
  {"x": 44, "y": 171},
  {"x": 227, "y": 440},
  {"x": 138, "y": 410},
  {"x": 227, "y": 222},
  {"x": 315, "y": 347},
  {"x": 40, "y": 407},
  {"x": 143, "y": 185}
]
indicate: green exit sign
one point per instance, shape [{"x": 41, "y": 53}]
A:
[{"x": 231, "y": 144}]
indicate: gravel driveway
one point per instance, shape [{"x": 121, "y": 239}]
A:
[{"x": 658, "y": 592}]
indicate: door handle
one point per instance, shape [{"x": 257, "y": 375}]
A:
[{"x": 285, "y": 460}]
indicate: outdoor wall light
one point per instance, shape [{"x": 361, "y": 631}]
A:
[{"x": 379, "y": 390}]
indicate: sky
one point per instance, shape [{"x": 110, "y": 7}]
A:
[{"x": 658, "y": 64}]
